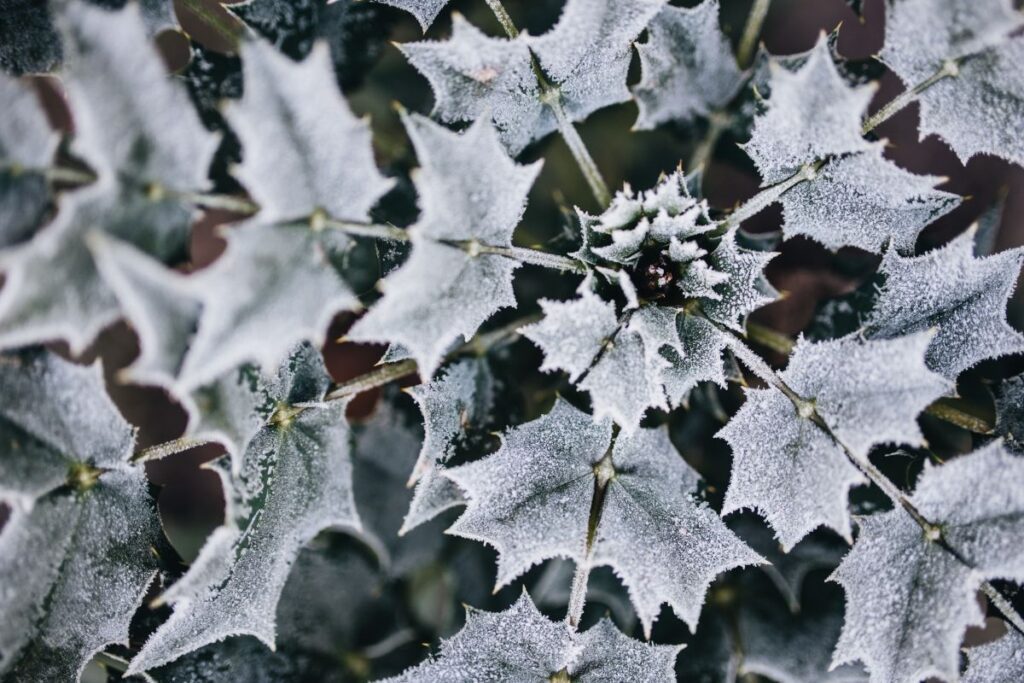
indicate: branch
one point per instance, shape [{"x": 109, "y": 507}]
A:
[
  {"x": 751, "y": 32},
  {"x": 949, "y": 69}
]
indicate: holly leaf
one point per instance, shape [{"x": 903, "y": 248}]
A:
[
  {"x": 522, "y": 644},
  {"x": 969, "y": 310},
  {"x": 425, "y": 11},
  {"x": 1000, "y": 660},
  {"x": 295, "y": 481},
  {"x": 909, "y": 600},
  {"x": 28, "y": 41},
  {"x": 131, "y": 119},
  {"x": 746, "y": 288},
  {"x": 1010, "y": 412},
  {"x": 472, "y": 196},
  {"x": 584, "y": 58},
  {"x": 456, "y": 402},
  {"x": 975, "y": 41},
  {"x": 78, "y": 542},
  {"x": 27, "y": 146},
  {"x": 865, "y": 201},
  {"x": 793, "y": 472},
  {"x": 553, "y": 462},
  {"x": 688, "y": 68},
  {"x": 304, "y": 150}
]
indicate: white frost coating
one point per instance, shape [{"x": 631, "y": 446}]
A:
[
  {"x": 303, "y": 148},
  {"x": 909, "y": 601},
  {"x": 812, "y": 114},
  {"x": 26, "y": 138},
  {"x": 1010, "y": 412},
  {"x": 996, "y": 662},
  {"x": 789, "y": 469},
  {"x": 470, "y": 191},
  {"x": 963, "y": 296},
  {"x": 131, "y": 118},
  {"x": 665, "y": 544},
  {"x": 572, "y": 333},
  {"x": 625, "y": 380},
  {"x": 425, "y": 11},
  {"x": 979, "y": 110},
  {"x": 522, "y": 645},
  {"x": 296, "y": 480},
  {"x": 544, "y": 514},
  {"x": 585, "y": 56},
  {"x": 62, "y": 547},
  {"x": 700, "y": 361},
  {"x": 473, "y": 74},
  {"x": 275, "y": 286},
  {"x": 746, "y": 289},
  {"x": 552, "y": 462},
  {"x": 74, "y": 302},
  {"x": 687, "y": 65},
  {"x": 865, "y": 201}
]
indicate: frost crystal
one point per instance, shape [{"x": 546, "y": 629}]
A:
[
  {"x": 909, "y": 600},
  {"x": 554, "y": 464},
  {"x": 472, "y": 196},
  {"x": 1010, "y": 412},
  {"x": 585, "y": 58},
  {"x": 521, "y": 644},
  {"x": 791, "y": 470},
  {"x": 977, "y": 107},
  {"x": 1001, "y": 660},
  {"x": 425, "y": 11},
  {"x": 295, "y": 480},
  {"x": 687, "y": 64},
  {"x": 82, "y": 523},
  {"x": 949, "y": 289}
]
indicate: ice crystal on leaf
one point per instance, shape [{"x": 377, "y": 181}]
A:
[
  {"x": 521, "y": 644},
  {"x": 425, "y": 11},
  {"x": 795, "y": 472},
  {"x": 472, "y": 196},
  {"x": 687, "y": 64},
  {"x": 1000, "y": 660},
  {"x": 82, "y": 522},
  {"x": 295, "y": 480},
  {"x": 909, "y": 600},
  {"x": 975, "y": 44},
  {"x": 556, "y": 461},
  {"x": 584, "y": 59},
  {"x": 948, "y": 288}
]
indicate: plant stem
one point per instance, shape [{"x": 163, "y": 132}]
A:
[
  {"x": 531, "y": 256},
  {"x": 224, "y": 202},
  {"x": 503, "y": 18},
  {"x": 805, "y": 409},
  {"x": 162, "y": 450},
  {"x": 228, "y": 29},
  {"x": 767, "y": 197},
  {"x": 718, "y": 123},
  {"x": 73, "y": 176},
  {"x": 1003, "y": 605},
  {"x": 382, "y": 232},
  {"x": 751, "y": 32},
  {"x": 949, "y": 69},
  {"x": 379, "y": 376},
  {"x": 553, "y": 98},
  {"x": 769, "y": 338}
]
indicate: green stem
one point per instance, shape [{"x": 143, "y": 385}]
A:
[
  {"x": 718, "y": 123},
  {"x": 378, "y": 377},
  {"x": 382, "y": 232},
  {"x": 524, "y": 255},
  {"x": 503, "y": 18},
  {"x": 949, "y": 69},
  {"x": 223, "y": 24},
  {"x": 553, "y": 98},
  {"x": 162, "y": 450},
  {"x": 224, "y": 202},
  {"x": 751, "y": 32}
]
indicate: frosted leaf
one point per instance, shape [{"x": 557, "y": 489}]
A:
[
  {"x": 789, "y": 469},
  {"x": 552, "y": 461},
  {"x": 276, "y": 285},
  {"x": 978, "y": 110},
  {"x": 295, "y": 481},
  {"x": 746, "y": 289},
  {"x": 909, "y": 600},
  {"x": 521, "y": 644},
  {"x": 75, "y": 554},
  {"x": 625, "y": 244},
  {"x": 699, "y": 281},
  {"x": 24, "y": 200},
  {"x": 471, "y": 194},
  {"x": 1000, "y": 660},
  {"x": 425, "y": 11},
  {"x": 460, "y": 400},
  {"x": 384, "y": 452},
  {"x": 28, "y": 41},
  {"x": 572, "y": 333},
  {"x": 585, "y": 57},
  {"x": 74, "y": 302},
  {"x": 1010, "y": 412},
  {"x": 131, "y": 119},
  {"x": 231, "y": 410},
  {"x": 473, "y": 74},
  {"x": 864, "y": 201},
  {"x": 700, "y": 360},
  {"x": 812, "y": 114},
  {"x": 625, "y": 380},
  {"x": 963, "y": 296},
  {"x": 303, "y": 148},
  {"x": 687, "y": 65}
]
